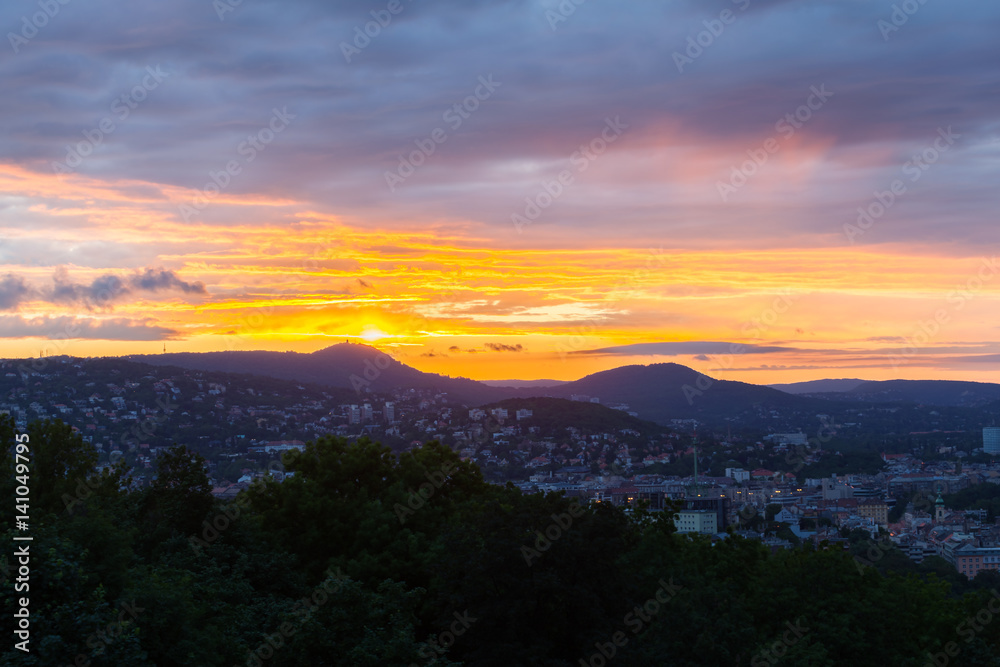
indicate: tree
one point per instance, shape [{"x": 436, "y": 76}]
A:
[
  {"x": 381, "y": 509},
  {"x": 540, "y": 573},
  {"x": 180, "y": 497},
  {"x": 61, "y": 466},
  {"x": 71, "y": 612}
]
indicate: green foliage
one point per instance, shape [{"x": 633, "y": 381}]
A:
[
  {"x": 897, "y": 512},
  {"x": 369, "y": 503},
  {"x": 61, "y": 465},
  {"x": 553, "y": 415},
  {"x": 364, "y": 558},
  {"x": 179, "y": 499},
  {"x": 71, "y": 612},
  {"x": 537, "y": 571},
  {"x": 979, "y": 497},
  {"x": 840, "y": 459}
]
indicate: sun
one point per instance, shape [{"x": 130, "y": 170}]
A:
[{"x": 372, "y": 333}]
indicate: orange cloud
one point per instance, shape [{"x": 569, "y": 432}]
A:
[{"x": 289, "y": 277}]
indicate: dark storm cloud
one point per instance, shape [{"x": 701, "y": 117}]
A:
[
  {"x": 354, "y": 120},
  {"x": 102, "y": 292},
  {"x": 501, "y": 347},
  {"x": 154, "y": 280},
  {"x": 110, "y": 288},
  {"x": 13, "y": 290}
]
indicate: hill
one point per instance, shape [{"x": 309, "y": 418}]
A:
[
  {"x": 942, "y": 393},
  {"x": 522, "y": 384},
  {"x": 345, "y": 365},
  {"x": 819, "y": 386},
  {"x": 658, "y": 392},
  {"x": 661, "y": 392},
  {"x": 553, "y": 415}
]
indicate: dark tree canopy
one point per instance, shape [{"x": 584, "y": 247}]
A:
[{"x": 365, "y": 557}]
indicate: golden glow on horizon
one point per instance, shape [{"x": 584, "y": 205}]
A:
[
  {"x": 461, "y": 299},
  {"x": 372, "y": 334}
]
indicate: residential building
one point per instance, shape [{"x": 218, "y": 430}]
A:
[
  {"x": 697, "y": 521},
  {"x": 834, "y": 489},
  {"x": 738, "y": 474},
  {"x": 875, "y": 509},
  {"x": 712, "y": 500},
  {"x": 991, "y": 439},
  {"x": 971, "y": 560},
  {"x": 353, "y": 414}
]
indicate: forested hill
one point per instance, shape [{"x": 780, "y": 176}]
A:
[
  {"x": 558, "y": 414},
  {"x": 670, "y": 391},
  {"x": 345, "y": 365}
]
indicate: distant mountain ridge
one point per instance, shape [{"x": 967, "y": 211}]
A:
[
  {"x": 520, "y": 384},
  {"x": 661, "y": 392},
  {"x": 657, "y": 392},
  {"x": 819, "y": 386},
  {"x": 346, "y": 365},
  {"x": 553, "y": 415},
  {"x": 944, "y": 393}
]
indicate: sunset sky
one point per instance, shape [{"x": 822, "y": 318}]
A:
[{"x": 765, "y": 191}]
